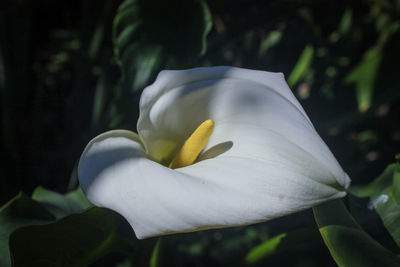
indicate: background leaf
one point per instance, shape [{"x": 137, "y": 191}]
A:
[
  {"x": 152, "y": 35},
  {"x": 281, "y": 243},
  {"x": 19, "y": 211},
  {"x": 385, "y": 198},
  {"x": 61, "y": 205},
  {"x": 365, "y": 73},
  {"x": 302, "y": 65},
  {"x": 76, "y": 240},
  {"x": 155, "y": 260},
  {"x": 364, "y": 76},
  {"x": 45, "y": 206},
  {"x": 348, "y": 243}
]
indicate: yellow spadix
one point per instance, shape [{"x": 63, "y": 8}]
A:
[{"x": 193, "y": 145}]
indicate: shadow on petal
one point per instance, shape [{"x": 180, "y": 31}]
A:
[
  {"x": 93, "y": 163},
  {"x": 216, "y": 150}
]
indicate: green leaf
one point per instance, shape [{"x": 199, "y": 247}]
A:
[
  {"x": 348, "y": 244},
  {"x": 280, "y": 243},
  {"x": 76, "y": 240},
  {"x": 388, "y": 209},
  {"x": 61, "y": 205},
  {"x": 148, "y": 34},
  {"x": 44, "y": 207},
  {"x": 346, "y": 21},
  {"x": 381, "y": 184},
  {"x": 385, "y": 198},
  {"x": 352, "y": 247},
  {"x": 302, "y": 65},
  {"x": 155, "y": 259},
  {"x": 364, "y": 75},
  {"x": 19, "y": 211},
  {"x": 271, "y": 40}
]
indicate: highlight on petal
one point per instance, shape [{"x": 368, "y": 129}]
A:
[{"x": 263, "y": 160}]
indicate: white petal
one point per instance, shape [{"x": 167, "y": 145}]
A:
[
  {"x": 247, "y": 106},
  {"x": 225, "y": 191},
  {"x": 199, "y": 93}
]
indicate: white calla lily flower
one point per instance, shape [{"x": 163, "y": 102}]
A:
[{"x": 263, "y": 158}]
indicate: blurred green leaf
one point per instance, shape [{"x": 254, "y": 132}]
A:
[
  {"x": 364, "y": 75},
  {"x": 155, "y": 260},
  {"x": 346, "y": 21},
  {"x": 281, "y": 243},
  {"x": 76, "y": 240},
  {"x": 272, "y": 39},
  {"x": 99, "y": 103},
  {"x": 61, "y": 205},
  {"x": 125, "y": 263},
  {"x": 348, "y": 244},
  {"x": 19, "y": 211},
  {"x": 385, "y": 198},
  {"x": 302, "y": 65},
  {"x": 148, "y": 34}
]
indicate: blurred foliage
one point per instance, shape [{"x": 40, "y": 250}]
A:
[
  {"x": 279, "y": 243},
  {"x": 70, "y": 70},
  {"x": 148, "y": 40},
  {"x": 156, "y": 255},
  {"x": 302, "y": 66}
]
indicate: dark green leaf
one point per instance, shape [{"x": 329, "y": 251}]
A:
[
  {"x": 155, "y": 260},
  {"x": 379, "y": 185},
  {"x": 149, "y": 33},
  {"x": 348, "y": 243},
  {"x": 364, "y": 76},
  {"x": 302, "y": 65},
  {"x": 19, "y": 211},
  {"x": 152, "y": 35},
  {"x": 346, "y": 21},
  {"x": 271, "y": 40},
  {"x": 61, "y": 205},
  {"x": 76, "y": 240},
  {"x": 44, "y": 207},
  {"x": 385, "y": 198},
  {"x": 365, "y": 73},
  {"x": 280, "y": 243}
]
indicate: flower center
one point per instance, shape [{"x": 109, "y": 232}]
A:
[{"x": 193, "y": 145}]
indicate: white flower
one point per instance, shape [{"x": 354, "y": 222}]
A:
[{"x": 263, "y": 160}]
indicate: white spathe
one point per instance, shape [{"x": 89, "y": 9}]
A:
[{"x": 263, "y": 160}]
